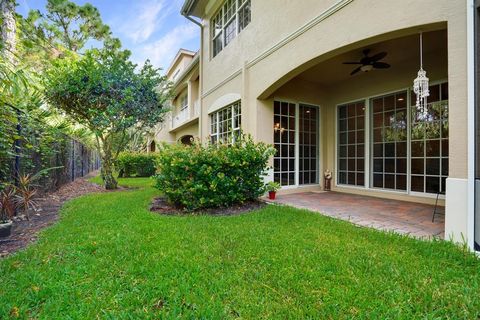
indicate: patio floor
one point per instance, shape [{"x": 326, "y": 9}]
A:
[{"x": 402, "y": 217}]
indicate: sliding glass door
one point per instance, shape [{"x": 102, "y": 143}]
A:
[{"x": 295, "y": 135}]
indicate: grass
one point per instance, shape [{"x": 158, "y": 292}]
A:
[{"x": 110, "y": 258}]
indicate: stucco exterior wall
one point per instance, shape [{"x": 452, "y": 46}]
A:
[
  {"x": 285, "y": 39},
  {"x": 191, "y": 130},
  {"x": 271, "y": 22}
]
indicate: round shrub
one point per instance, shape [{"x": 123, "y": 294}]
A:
[
  {"x": 135, "y": 164},
  {"x": 213, "y": 175}
]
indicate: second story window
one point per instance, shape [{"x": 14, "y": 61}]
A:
[
  {"x": 184, "y": 102},
  {"x": 231, "y": 19}
]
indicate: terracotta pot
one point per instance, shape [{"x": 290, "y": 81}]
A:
[
  {"x": 5, "y": 229},
  {"x": 271, "y": 195}
]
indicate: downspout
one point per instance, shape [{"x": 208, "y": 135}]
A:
[{"x": 471, "y": 122}]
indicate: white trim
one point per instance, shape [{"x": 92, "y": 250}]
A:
[
  {"x": 471, "y": 122},
  {"x": 367, "y": 172},
  {"x": 297, "y": 145},
  {"x": 227, "y": 79},
  {"x": 321, "y": 169},
  {"x": 309, "y": 25},
  {"x": 177, "y": 56},
  {"x": 194, "y": 63},
  {"x": 217, "y": 122},
  {"x": 297, "y": 104},
  {"x": 224, "y": 101}
]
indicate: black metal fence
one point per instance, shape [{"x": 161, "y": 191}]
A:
[
  {"x": 71, "y": 160},
  {"x": 39, "y": 148}
]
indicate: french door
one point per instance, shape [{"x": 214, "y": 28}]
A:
[{"x": 295, "y": 134}]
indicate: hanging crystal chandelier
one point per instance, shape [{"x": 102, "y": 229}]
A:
[{"x": 420, "y": 85}]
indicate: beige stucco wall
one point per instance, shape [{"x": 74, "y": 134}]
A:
[
  {"x": 271, "y": 22},
  {"x": 175, "y": 136},
  {"x": 191, "y": 130},
  {"x": 181, "y": 63}
]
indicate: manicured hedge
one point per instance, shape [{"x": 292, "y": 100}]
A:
[
  {"x": 205, "y": 176},
  {"x": 131, "y": 164}
]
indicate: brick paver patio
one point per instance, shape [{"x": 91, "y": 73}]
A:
[{"x": 391, "y": 215}]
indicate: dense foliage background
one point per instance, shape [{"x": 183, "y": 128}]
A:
[
  {"x": 55, "y": 93},
  {"x": 136, "y": 164}
]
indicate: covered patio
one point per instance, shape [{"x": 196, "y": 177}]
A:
[{"x": 409, "y": 218}]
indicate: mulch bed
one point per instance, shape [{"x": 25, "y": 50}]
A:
[
  {"x": 26, "y": 231},
  {"x": 161, "y": 206}
]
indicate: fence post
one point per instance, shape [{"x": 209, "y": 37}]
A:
[
  {"x": 17, "y": 146},
  {"x": 73, "y": 161},
  {"x": 82, "y": 157}
]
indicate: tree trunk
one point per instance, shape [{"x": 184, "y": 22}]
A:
[
  {"x": 8, "y": 28},
  {"x": 107, "y": 174}
]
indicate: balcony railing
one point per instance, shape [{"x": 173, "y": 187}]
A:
[
  {"x": 185, "y": 114},
  {"x": 181, "y": 117}
]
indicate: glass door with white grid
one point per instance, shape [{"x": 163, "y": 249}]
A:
[{"x": 295, "y": 134}]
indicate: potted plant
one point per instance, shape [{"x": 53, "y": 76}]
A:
[
  {"x": 272, "y": 188},
  {"x": 7, "y": 210}
]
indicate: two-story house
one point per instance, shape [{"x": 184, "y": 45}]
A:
[
  {"x": 181, "y": 124},
  {"x": 329, "y": 83}
]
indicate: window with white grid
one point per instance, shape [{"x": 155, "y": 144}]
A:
[
  {"x": 232, "y": 17},
  {"x": 184, "y": 102},
  {"x": 225, "y": 124}
]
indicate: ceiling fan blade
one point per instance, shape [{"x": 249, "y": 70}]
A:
[
  {"x": 381, "y": 65},
  {"x": 352, "y": 63},
  {"x": 355, "y": 71},
  {"x": 378, "y": 56}
]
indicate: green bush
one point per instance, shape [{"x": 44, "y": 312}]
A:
[
  {"x": 206, "y": 176},
  {"x": 131, "y": 164}
]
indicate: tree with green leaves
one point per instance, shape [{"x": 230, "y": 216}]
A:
[
  {"x": 64, "y": 27},
  {"x": 104, "y": 92}
]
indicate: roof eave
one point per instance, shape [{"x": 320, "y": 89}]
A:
[{"x": 188, "y": 7}]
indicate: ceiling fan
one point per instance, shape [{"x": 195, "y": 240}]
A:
[{"x": 369, "y": 63}]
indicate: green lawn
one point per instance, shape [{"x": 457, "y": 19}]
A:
[{"x": 110, "y": 258}]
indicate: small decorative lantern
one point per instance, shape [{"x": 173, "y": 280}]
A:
[
  {"x": 420, "y": 85},
  {"x": 327, "y": 175}
]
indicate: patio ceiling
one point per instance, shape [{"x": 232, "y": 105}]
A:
[{"x": 402, "y": 53}]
